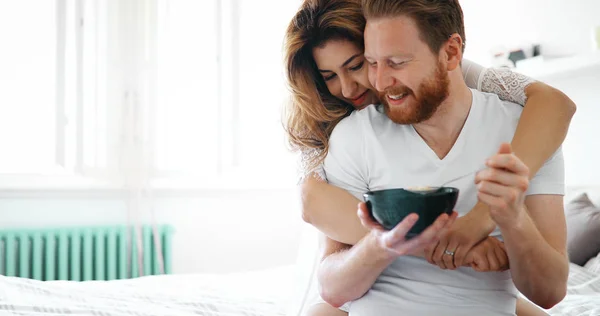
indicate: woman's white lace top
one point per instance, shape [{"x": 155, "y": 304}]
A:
[{"x": 509, "y": 86}]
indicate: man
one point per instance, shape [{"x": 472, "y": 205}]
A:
[{"x": 414, "y": 49}]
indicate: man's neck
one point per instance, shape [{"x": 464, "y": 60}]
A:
[{"x": 443, "y": 128}]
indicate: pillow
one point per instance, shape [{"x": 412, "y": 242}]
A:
[
  {"x": 583, "y": 229},
  {"x": 594, "y": 264},
  {"x": 592, "y": 191}
]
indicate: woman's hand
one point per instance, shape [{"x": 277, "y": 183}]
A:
[
  {"x": 488, "y": 256},
  {"x": 466, "y": 232}
]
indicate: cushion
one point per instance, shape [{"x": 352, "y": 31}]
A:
[
  {"x": 592, "y": 191},
  {"x": 594, "y": 264},
  {"x": 583, "y": 229}
]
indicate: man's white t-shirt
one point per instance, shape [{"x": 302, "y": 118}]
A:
[{"x": 368, "y": 151}]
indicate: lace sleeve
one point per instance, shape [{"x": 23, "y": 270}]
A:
[
  {"x": 508, "y": 85},
  {"x": 472, "y": 73},
  {"x": 305, "y": 167}
]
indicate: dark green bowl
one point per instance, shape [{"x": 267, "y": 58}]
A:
[{"x": 389, "y": 207}]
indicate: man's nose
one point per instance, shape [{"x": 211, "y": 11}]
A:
[{"x": 383, "y": 79}]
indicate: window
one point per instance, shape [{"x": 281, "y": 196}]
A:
[
  {"x": 95, "y": 88},
  {"x": 182, "y": 92},
  {"x": 28, "y": 77},
  {"x": 187, "y": 89},
  {"x": 262, "y": 90},
  {"x": 53, "y": 102},
  {"x": 221, "y": 89}
]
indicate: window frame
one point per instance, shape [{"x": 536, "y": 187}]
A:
[{"x": 71, "y": 174}]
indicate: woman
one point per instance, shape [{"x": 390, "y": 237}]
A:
[{"x": 328, "y": 80}]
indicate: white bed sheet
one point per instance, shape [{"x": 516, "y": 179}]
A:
[
  {"x": 583, "y": 294},
  {"x": 256, "y": 293}
]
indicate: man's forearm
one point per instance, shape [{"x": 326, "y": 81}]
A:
[
  {"x": 348, "y": 274},
  {"x": 538, "y": 270}
]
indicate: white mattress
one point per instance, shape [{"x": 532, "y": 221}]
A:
[
  {"x": 259, "y": 293},
  {"x": 254, "y": 293},
  {"x": 583, "y": 294}
]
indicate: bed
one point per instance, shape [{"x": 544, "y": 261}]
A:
[
  {"x": 582, "y": 209},
  {"x": 583, "y": 294},
  {"x": 268, "y": 292},
  {"x": 257, "y": 293}
]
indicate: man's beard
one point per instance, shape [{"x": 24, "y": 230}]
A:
[{"x": 432, "y": 92}]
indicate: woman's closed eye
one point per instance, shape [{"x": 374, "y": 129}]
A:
[
  {"x": 353, "y": 68},
  {"x": 327, "y": 78},
  {"x": 357, "y": 67}
]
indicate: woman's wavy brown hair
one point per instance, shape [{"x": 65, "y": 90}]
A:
[{"x": 313, "y": 111}]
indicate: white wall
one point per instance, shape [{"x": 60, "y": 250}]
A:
[
  {"x": 227, "y": 232},
  {"x": 562, "y": 27},
  {"x": 220, "y": 232},
  {"x": 582, "y": 146}
]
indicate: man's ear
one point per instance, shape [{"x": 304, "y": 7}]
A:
[{"x": 454, "y": 51}]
